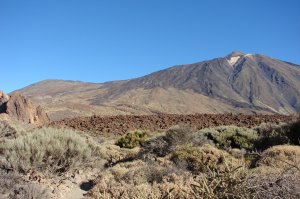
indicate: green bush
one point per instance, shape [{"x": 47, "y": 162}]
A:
[
  {"x": 132, "y": 139},
  {"x": 231, "y": 137},
  {"x": 49, "y": 150}
]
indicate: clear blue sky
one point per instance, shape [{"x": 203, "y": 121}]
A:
[{"x": 98, "y": 41}]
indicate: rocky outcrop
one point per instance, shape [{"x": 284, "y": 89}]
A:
[
  {"x": 18, "y": 107},
  {"x": 3, "y": 97}
]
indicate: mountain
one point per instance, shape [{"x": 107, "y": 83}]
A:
[{"x": 238, "y": 82}]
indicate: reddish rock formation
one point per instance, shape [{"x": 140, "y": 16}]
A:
[
  {"x": 3, "y": 97},
  {"x": 20, "y": 108}
]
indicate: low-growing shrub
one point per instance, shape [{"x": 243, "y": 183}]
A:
[
  {"x": 157, "y": 146},
  {"x": 201, "y": 159},
  {"x": 153, "y": 173},
  {"x": 13, "y": 129},
  {"x": 231, "y": 137},
  {"x": 132, "y": 139},
  {"x": 272, "y": 135},
  {"x": 280, "y": 156},
  {"x": 200, "y": 139},
  {"x": 7, "y": 131},
  {"x": 12, "y": 186},
  {"x": 228, "y": 183},
  {"x": 177, "y": 135},
  {"x": 49, "y": 150}
]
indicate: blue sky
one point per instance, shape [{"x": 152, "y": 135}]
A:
[{"x": 98, "y": 41}]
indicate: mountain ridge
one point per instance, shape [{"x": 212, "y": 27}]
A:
[{"x": 238, "y": 82}]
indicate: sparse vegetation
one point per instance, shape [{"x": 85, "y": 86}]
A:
[
  {"x": 192, "y": 167},
  {"x": 179, "y": 163}
]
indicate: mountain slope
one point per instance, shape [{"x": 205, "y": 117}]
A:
[{"x": 236, "y": 83}]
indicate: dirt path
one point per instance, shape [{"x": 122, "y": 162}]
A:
[{"x": 75, "y": 193}]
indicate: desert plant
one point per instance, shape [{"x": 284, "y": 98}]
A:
[
  {"x": 150, "y": 173},
  {"x": 202, "y": 159},
  {"x": 179, "y": 134},
  {"x": 200, "y": 139},
  {"x": 163, "y": 145},
  {"x": 281, "y": 156},
  {"x": 276, "y": 181},
  {"x": 7, "y": 131},
  {"x": 132, "y": 139},
  {"x": 13, "y": 186},
  {"x": 49, "y": 150},
  {"x": 272, "y": 135},
  {"x": 13, "y": 129},
  {"x": 228, "y": 183},
  {"x": 157, "y": 146},
  {"x": 231, "y": 137},
  {"x": 8, "y": 180}
]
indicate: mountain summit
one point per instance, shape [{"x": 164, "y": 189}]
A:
[{"x": 238, "y": 82}]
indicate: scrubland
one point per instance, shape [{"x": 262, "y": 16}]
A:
[{"x": 181, "y": 162}]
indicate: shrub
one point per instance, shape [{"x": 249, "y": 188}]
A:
[
  {"x": 200, "y": 139},
  {"x": 280, "y": 156},
  {"x": 49, "y": 150},
  {"x": 228, "y": 183},
  {"x": 13, "y": 187},
  {"x": 132, "y": 139},
  {"x": 7, "y": 131},
  {"x": 231, "y": 137},
  {"x": 13, "y": 129},
  {"x": 271, "y": 135},
  {"x": 201, "y": 159},
  {"x": 269, "y": 182},
  {"x": 177, "y": 135},
  {"x": 157, "y": 181},
  {"x": 153, "y": 173},
  {"x": 157, "y": 146}
]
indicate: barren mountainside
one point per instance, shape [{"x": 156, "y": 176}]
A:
[{"x": 237, "y": 82}]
